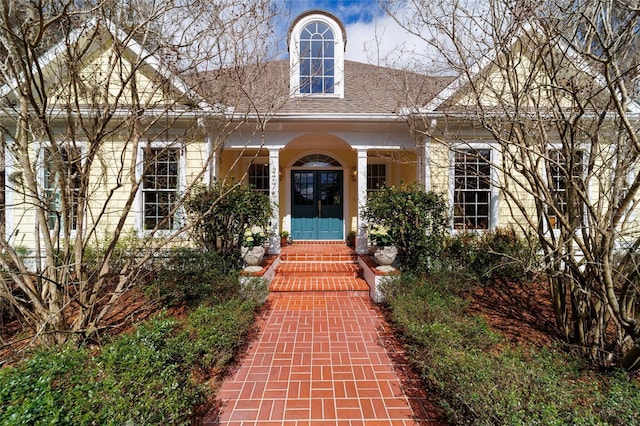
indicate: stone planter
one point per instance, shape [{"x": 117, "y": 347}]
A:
[
  {"x": 385, "y": 256},
  {"x": 252, "y": 256}
]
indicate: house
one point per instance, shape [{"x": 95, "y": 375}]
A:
[
  {"x": 338, "y": 131},
  {"x": 316, "y": 133}
]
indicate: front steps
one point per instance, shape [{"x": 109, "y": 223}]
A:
[{"x": 312, "y": 266}]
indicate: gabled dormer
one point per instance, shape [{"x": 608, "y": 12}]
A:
[{"x": 317, "y": 42}]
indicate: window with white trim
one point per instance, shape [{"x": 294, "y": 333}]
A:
[
  {"x": 564, "y": 173},
  {"x": 62, "y": 169},
  {"x": 316, "y": 54},
  {"x": 376, "y": 177},
  {"x": 160, "y": 188},
  {"x": 316, "y": 59},
  {"x": 472, "y": 189},
  {"x": 259, "y": 177}
]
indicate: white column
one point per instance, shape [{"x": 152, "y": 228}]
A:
[
  {"x": 423, "y": 146},
  {"x": 274, "y": 194},
  {"x": 361, "y": 239},
  {"x": 213, "y": 160}
]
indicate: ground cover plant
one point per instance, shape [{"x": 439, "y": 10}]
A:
[
  {"x": 481, "y": 377},
  {"x": 148, "y": 376},
  {"x": 161, "y": 372}
]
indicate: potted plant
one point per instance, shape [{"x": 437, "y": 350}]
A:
[
  {"x": 385, "y": 252},
  {"x": 252, "y": 250},
  {"x": 351, "y": 239},
  {"x": 285, "y": 238}
]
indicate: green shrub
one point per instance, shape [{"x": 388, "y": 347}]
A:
[
  {"x": 143, "y": 377},
  {"x": 221, "y": 212},
  {"x": 482, "y": 380},
  {"x": 459, "y": 250},
  {"x": 45, "y": 388},
  {"x": 127, "y": 246},
  {"x": 193, "y": 275},
  {"x": 501, "y": 254},
  {"x": 216, "y": 333},
  {"x": 416, "y": 220},
  {"x": 147, "y": 376}
]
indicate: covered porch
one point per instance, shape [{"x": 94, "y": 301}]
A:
[{"x": 319, "y": 181}]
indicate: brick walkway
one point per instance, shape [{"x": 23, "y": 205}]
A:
[{"x": 319, "y": 358}]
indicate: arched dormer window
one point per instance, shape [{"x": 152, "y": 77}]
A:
[
  {"x": 316, "y": 48},
  {"x": 316, "y": 59}
]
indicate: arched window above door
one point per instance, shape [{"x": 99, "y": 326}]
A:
[{"x": 317, "y": 161}]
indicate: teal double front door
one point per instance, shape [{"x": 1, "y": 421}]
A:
[{"x": 317, "y": 205}]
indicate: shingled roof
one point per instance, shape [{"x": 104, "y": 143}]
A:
[{"x": 369, "y": 90}]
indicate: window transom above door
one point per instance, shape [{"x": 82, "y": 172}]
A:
[{"x": 317, "y": 161}]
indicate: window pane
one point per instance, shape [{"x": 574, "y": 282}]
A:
[
  {"x": 303, "y": 188},
  {"x": 160, "y": 186},
  {"x": 328, "y": 49},
  {"x": 316, "y": 85},
  {"x": 316, "y": 68},
  {"x": 322, "y": 28},
  {"x": 472, "y": 189},
  {"x": 259, "y": 177},
  {"x": 376, "y": 176},
  {"x": 317, "y": 160},
  {"x": 305, "y": 85},
  {"x": 564, "y": 178},
  {"x": 305, "y": 49},
  {"x": 328, "y": 67},
  {"x": 305, "y": 68},
  {"x": 316, "y": 49},
  {"x": 328, "y": 85},
  {"x": 62, "y": 166}
]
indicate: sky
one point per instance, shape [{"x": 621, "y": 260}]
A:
[{"x": 372, "y": 36}]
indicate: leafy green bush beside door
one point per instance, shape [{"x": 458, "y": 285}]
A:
[
  {"x": 220, "y": 213},
  {"x": 416, "y": 220}
]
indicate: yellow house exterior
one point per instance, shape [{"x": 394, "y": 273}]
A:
[{"x": 319, "y": 134}]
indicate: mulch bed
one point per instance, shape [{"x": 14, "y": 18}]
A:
[{"x": 521, "y": 312}]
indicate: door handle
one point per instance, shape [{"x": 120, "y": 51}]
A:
[{"x": 319, "y": 208}]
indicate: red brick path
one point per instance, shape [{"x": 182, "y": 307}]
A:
[{"x": 319, "y": 358}]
